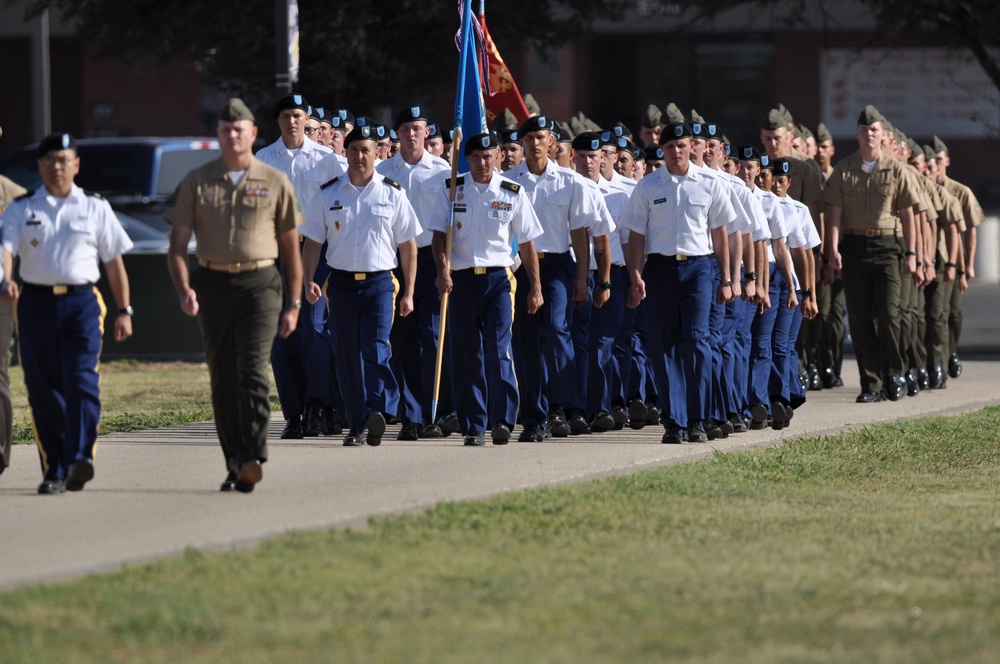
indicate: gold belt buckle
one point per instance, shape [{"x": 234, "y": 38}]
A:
[
  {"x": 61, "y": 289},
  {"x": 479, "y": 270},
  {"x": 871, "y": 232},
  {"x": 681, "y": 257},
  {"x": 360, "y": 276},
  {"x": 234, "y": 268},
  {"x": 541, "y": 254}
]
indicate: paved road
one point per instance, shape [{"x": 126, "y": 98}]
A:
[{"x": 156, "y": 492}]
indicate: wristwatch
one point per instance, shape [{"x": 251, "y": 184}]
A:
[
  {"x": 296, "y": 304},
  {"x": 808, "y": 292},
  {"x": 126, "y": 311},
  {"x": 727, "y": 282},
  {"x": 603, "y": 285},
  {"x": 751, "y": 276},
  {"x": 910, "y": 253}
]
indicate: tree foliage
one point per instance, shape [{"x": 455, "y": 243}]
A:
[{"x": 366, "y": 52}]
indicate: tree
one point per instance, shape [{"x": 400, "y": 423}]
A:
[{"x": 366, "y": 53}]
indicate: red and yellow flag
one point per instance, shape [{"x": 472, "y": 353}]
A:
[{"x": 503, "y": 92}]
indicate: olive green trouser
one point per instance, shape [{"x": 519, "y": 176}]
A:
[{"x": 937, "y": 306}]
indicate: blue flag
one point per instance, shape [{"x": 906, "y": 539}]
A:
[{"x": 470, "y": 109}]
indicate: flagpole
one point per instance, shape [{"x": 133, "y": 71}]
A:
[{"x": 443, "y": 318}]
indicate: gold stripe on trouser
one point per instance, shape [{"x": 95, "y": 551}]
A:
[
  {"x": 97, "y": 367},
  {"x": 513, "y": 292},
  {"x": 395, "y": 292}
]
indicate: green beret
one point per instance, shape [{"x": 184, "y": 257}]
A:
[
  {"x": 531, "y": 105},
  {"x": 929, "y": 152},
  {"x": 822, "y": 133},
  {"x": 651, "y": 118},
  {"x": 696, "y": 118},
  {"x": 870, "y": 116},
  {"x": 774, "y": 120},
  {"x": 673, "y": 113},
  {"x": 939, "y": 146},
  {"x": 236, "y": 110}
]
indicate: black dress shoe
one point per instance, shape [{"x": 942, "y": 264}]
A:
[
  {"x": 51, "y": 487},
  {"x": 578, "y": 424},
  {"x": 602, "y": 422},
  {"x": 251, "y": 472},
  {"x": 354, "y": 438},
  {"x": 804, "y": 380},
  {"x": 636, "y": 413},
  {"x": 229, "y": 484},
  {"x": 672, "y": 436},
  {"x": 243, "y": 487},
  {"x": 758, "y": 416},
  {"x": 868, "y": 397},
  {"x": 376, "y": 427},
  {"x": 696, "y": 433},
  {"x": 410, "y": 431},
  {"x": 923, "y": 379},
  {"x": 738, "y": 424},
  {"x": 533, "y": 435},
  {"x": 936, "y": 376},
  {"x": 652, "y": 415},
  {"x": 558, "y": 426},
  {"x": 333, "y": 423},
  {"x": 779, "y": 415},
  {"x": 448, "y": 424},
  {"x": 954, "y": 366},
  {"x": 474, "y": 440},
  {"x": 827, "y": 377},
  {"x": 293, "y": 429},
  {"x": 79, "y": 474},
  {"x": 430, "y": 431},
  {"x": 620, "y": 417},
  {"x": 838, "y": 382},
  {"x": 313, "y": 425},
  {"x": 727, "y": 428},
  {"x": 894, "y": 388},
  {"x": 500, "y": 435},
  {"x": 912, "y": 386},
  {"x": 714, "y": 431},
  {"x": 815, "y": 383}
]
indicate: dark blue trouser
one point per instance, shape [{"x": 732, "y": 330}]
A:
[
  {"x": 782, "y": 344},
  {"x": 796, "y": 395},
  {"x": 679, "y": 297},
  {"x": 60, "y": 346},
  {"x": 741, "y": 369},
  {"x": 760, "y": 346},
  {"x": 580, "y": 333},
  {"x": 605, "y": 325},
  {"x": 544, "y": 356},
  {"x": 480, "y": 316},
  {"x": 361, "y": 312}
]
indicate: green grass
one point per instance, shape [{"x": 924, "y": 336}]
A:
[
  {"x": 134, "y": 396},
  {"x": 876, "y": 546}
]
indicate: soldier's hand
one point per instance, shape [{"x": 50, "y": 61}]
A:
[
  {"x": 835, "y": 262},
  {"x": 828, "y": 274},
  {"x": 601, "y": 296},
  {"x": 443, "y": 284},
  {"x": 406, "y": 305},
  {"x": 793, "y": 300},
  {"x": 10, "y": 291},
  {"x": 765, "y": 300},
  {"x": 930, "y": 273},
  {"x": 750, "y": 291},
  {"x": 949, "y": 274},
  {"x": 289, "y": 321},
  {"x": 189, "y": 303},
  {"x": 636, "y": 294},
  {"x": 581, "y": 293},
  {"x": 809, "y": 308},
  {"x": 535, "y": 299},
  {"x": 737, "y": 292},
  {"x": 970, "y": 272},
  {"x": 313, "y": 292},
  {"x": 123, "y": 327},
  {"x": 910, "y": 265},
  {"x": 723, "y": 294},
  {"x": 963, "y": 283}
]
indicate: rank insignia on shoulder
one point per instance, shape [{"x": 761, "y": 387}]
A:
[
  {"x": 94, "y": 194},
  {"x": 27, "y": 194},
  {"x": 389, "y": 181},
  {"x": 459, "y": 181},
  {"x": 329, "y": 182},
  {"x": 511, "y": 186}
]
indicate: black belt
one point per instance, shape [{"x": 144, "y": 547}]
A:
[
  {"x": 58, "y": 289},
  {"x": 677, "y": 258},
  {"x": 424, "y": 250},
  {"x": 543, "y": 254},
  {"x": 357, "y": 276}
]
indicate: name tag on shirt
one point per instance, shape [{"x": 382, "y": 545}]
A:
[
  {"x": 460, "y": 207},
  {"x": 337, "y": 207},
  {"x": 659, "y": 201}
]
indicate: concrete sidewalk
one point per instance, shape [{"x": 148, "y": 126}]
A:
[
  {"x": 980, "y": 321},
  {"x": 156, "y": 492}
]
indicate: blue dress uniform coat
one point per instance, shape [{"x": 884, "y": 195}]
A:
[
  {"x": 60, "y": 314},
  {"x": 487, "y": 218},
  {"x": 362, "y": 230}
]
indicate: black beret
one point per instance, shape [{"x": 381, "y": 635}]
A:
[
  {"x": 782, "y": 167},
  {"x": 56, "y": 142},
  {"x": 434, "y": 131},
  {"x": 638, "y": 153},
  {"x": 509, "y": 136},
  {"x": 747, "y": 153},
  {"x": 235, "y": 110},
  {"x": 562, "y": 136},
  {"x": 290, "y": 102},
  {"x": 345, "y": 117},
  {"x": 589, "y": 141},
  {"x": 713, "y": 130},
  {"x": 698, "y": 130},
  {"x": 448, "y": 136},
  {"x": 653, "y": 152},
  {"x": 536, "y": 123},
  {"x": 766, "y": 164},
  {"x": 364, "y": 130},
  {"x": 487, "y": 140},
  {"x": 381, "y": 131},
  {"x": 320, "y": 114},
  {"x": 411, "y": 114},
  {"x": 673, "y": 131},
  {"x": 393, "y": 137},
  {"x": 619, "y": 129}
]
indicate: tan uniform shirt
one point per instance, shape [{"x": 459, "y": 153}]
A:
[
  {"x": 9, "y": 190},
  {"x": 970, "y": 204},
  {"x": 235, "y": 223},
  {"x": 949, "y": 212},
  {"x": 870, "y": 200}
]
